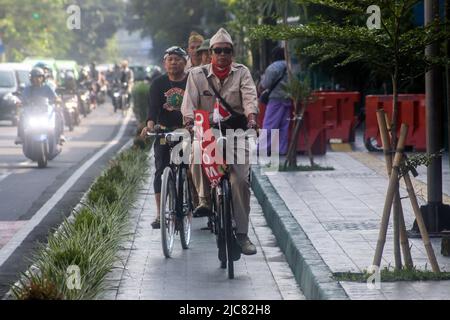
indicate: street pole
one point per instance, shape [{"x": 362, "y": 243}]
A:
[
  {"x": 447, "y": 75},
  {"x": 435, "y": 213}
]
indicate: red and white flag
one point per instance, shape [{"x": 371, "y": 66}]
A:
[{"x": 220, "y": 112}]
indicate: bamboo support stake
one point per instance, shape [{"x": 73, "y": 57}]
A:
[
  {"x": 384, "y": 125},
  {"x": 398, "y": 210},
  {"x": 421, "y": 223},
  {"x": 393, "y": 185}
]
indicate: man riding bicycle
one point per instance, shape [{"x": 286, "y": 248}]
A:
[
  {"x": 235, "y": 85},
  {"x": 166, "y": 95}
]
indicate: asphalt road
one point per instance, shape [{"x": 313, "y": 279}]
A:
[{"x": 24, "y": 188}]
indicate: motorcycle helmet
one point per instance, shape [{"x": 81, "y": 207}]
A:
[
  {"x": 69, "y": 80},
  {"x": 47, "y": 69},
  {"x": 36, "y": 73}
]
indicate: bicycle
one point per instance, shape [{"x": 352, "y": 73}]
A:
[
  {"x": 176, "y": 205},
  {"x": 222, "y": 222}
]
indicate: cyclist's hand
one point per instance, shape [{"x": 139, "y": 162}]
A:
[
  {"x": 149, "y": 128},
  {"x": 189, "y": 124},
  {"x": 252, "y": 124}
]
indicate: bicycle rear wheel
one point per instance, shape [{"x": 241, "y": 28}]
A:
[
  {"x": 228, "y": 226},
  {"x": 185, "y": 222},
  {"x": 168, "y": 212}
]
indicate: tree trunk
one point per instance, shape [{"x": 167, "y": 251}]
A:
[
  {"x": 447, "y": 75},
  {"x": 396, "y": 203},
  {"x": 291, "y": 159}
]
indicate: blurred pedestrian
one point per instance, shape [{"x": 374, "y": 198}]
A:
[
  {"x": 279, "y": 106},
  {"x": 195, "y": 41},
  {"x": 205, "y": 54}
]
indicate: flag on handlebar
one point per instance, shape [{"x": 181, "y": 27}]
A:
[{"x": 220, "y": 112}]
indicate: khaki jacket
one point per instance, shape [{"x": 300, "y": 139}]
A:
[{"x": 238, "y": 90}]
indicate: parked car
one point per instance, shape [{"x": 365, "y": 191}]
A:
[
  {"x": 9, "y": 89},
  {"x": 22, "y": 73}
]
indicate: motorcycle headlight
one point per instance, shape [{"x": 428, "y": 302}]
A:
[
  {"x": 116, "y": 94},
  {"x": 41, "y": 122}
]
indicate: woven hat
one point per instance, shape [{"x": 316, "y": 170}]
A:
[{"x": 222, "y": 36}]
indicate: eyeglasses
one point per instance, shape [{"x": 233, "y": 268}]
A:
[{"x": 224, "y": 50}]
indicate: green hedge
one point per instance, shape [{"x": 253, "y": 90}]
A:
[
  {"x": 91, "y": 239},
  {"x": 140, "y": 94}
]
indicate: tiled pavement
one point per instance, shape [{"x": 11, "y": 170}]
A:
[
  {"x": 340, "y": 211},
  {"x": 194, "y": 274}
]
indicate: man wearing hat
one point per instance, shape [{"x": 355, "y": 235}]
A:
[
  {"x": 234, "y": 83},
  {"x": 195, "y": 41},
  {"x": 166, "y": 95},
  {"x": 204, "y": 53}
]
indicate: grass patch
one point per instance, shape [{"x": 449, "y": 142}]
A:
[
  {"x": 391, "y": 275},
  {"x": 91, "y": 240},
  {"x": 315, "y": 167}
]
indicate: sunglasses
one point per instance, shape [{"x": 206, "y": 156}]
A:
[{"x": 224, "y": 50}]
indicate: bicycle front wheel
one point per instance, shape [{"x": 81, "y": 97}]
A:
[
  {"x": 228, "y": 227},
  {"x": 168, "y": 212},
  {"x": 186, "y": 219}
]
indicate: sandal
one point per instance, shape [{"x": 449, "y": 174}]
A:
[{"x": 156, "y": 224}]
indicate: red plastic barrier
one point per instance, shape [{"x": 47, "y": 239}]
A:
[
  {"x": 411, "y": 110},
  {"x": 262, "y": 113},
  {"x": 314, "y": 123},
  {"x": 340, "y": 117}
]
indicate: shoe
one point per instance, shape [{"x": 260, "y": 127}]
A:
[
  {"x": 18, "y": 141},
  {"x": 156, "y": 224},
  {"x": 203, "y": 209},
  {"x": 247, "y": 247}
]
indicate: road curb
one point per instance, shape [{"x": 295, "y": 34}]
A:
[{"x": 310, "y": 271}]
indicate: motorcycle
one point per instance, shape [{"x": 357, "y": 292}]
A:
[
  {"x": 40, "y": 142},
  {"x": 116, "y": 96},
  {"x": 102, "y": 93},
  {"x": 84, "y": 101},
  {"x": 124, "y": 97},
  {"x": 70, "y": 110}
]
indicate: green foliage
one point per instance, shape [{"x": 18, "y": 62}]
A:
[
  {"x": 38, "y": 288},
  {"x": 40, "y": 28},
  {"x": 397, "y": 49},
  {"x": 90, "y": 241},
  {"x": 298, "y": 90},
  {"x": 421, "y": 159},
  {"x": 170, "y": 22},
  {"x": 99, "y": 22},
  {"x": 140, "y": 101},
  {"x": 103, "y": 189},
  {"x": 393, "y": 275}
]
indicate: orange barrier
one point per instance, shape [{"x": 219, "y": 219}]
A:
[
  {"x": 340, "y": 116},
  {"x": 314, "y": 123},
  {"x": 411, "y": 110}
]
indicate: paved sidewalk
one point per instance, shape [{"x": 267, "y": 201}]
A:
[
  {"x": 195, "y": 274},
  {"x": 340, "y": 211}
]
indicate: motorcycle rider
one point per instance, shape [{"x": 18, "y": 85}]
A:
[
  {"x": 38, "y": 89},
  {"x": 127, "y": 76},
  {"x": 48, "y": 72}
]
